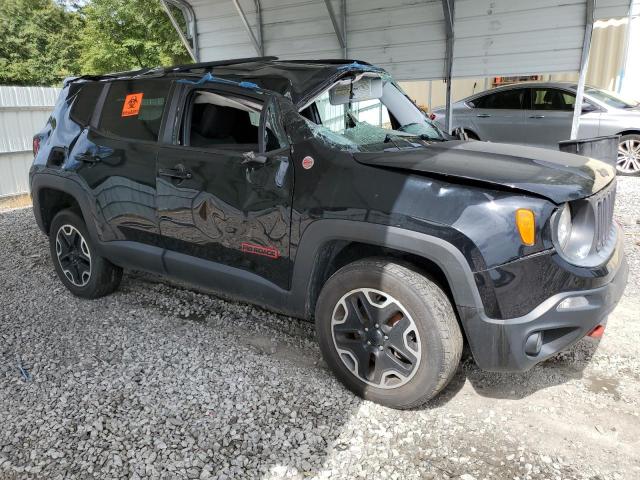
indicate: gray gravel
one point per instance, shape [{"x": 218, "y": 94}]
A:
[{"x": 160, "y": 381}]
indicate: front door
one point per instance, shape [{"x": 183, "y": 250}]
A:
[
  {"x": 550, "y": 115},
  {"x": 225, "y": 186}
]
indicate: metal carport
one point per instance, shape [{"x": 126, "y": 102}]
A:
[{"x": 412, "y": 39}]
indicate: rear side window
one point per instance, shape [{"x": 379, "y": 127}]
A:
[
  {"x": 84, "y": 101},
  {"x": 133, "y": 109},
  {"x": 509, "y": 100}
]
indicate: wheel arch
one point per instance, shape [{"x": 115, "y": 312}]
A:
[
  {"x": 51, "y": 194},
  {"x": 327, "y": 245},
  {"x": 629, "y": 132}
]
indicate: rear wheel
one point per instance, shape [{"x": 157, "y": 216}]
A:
[
  {"x": 471, "y": 135},
  {"x": 79, "y": 267},
  {"x": 629, "y": 155},
  {"x": 388, "y": 333}
]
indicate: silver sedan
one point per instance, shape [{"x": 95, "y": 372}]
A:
[{"x": 540, "y": 114}]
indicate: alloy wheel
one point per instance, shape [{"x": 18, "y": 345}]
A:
[
  {"x": 73, "y": 255},
  {"x": 376, "y": 338},
  {"x": 629, "y": 156}
]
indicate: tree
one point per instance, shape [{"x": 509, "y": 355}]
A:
[
  {"x": 44, "y": 41},
  {"x": 127, "y": 34},
  {"x": 38, "y": 42}
]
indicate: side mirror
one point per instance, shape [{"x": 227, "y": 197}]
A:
[
  {"x": 587, "y": 107},
  {"x": 253, "y": 158}
]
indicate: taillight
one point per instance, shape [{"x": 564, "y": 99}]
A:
[
  {"x": 432, "y": 116},
  {"x": 36, "y": 145}
]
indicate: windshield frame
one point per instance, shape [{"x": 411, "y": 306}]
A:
[{"x": 391, "y": 137}]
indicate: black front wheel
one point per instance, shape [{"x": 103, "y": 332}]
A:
[
  {"x": 388, "y": 333},
  {"x": 79, "y": 267}
]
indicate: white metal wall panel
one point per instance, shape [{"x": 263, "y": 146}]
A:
[
  {"x": 407, "y": 37},
  {"x": 23, "y": 112},
  {"x": 606, "y": 9}
]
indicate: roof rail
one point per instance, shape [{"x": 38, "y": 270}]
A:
[
  {"x": 218, "y": 63},
  {"x": 331, "y": 61},
  {"x": 160, "y": 71}
]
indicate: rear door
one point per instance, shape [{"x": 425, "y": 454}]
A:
[
  {"x": 499, "y": 116},
  {"x": 116, "y": 157},
  {"x": 225, "y": 185}
]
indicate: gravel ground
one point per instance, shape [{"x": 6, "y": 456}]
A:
[{"x": 160, "y": 381}]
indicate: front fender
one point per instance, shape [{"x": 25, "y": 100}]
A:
[{"x": 444, "y": 254}]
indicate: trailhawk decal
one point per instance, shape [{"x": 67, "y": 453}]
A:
[{"x": 270, "y": 252}]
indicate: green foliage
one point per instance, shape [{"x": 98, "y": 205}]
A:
[
  {"x": 127, "y": 34},
  {"x": 43, "y": 41},
  {"x": 38, "y": 42}
]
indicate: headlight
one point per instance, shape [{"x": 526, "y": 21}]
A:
[
  {"x": 564, "y": 227},
  {"x": 574, "y": 230}
]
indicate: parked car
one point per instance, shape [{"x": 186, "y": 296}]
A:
[
  {"x": 540, "y": 114},
  {"x": 318, "y": 189}
]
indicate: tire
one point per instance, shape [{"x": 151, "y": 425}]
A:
[
  {"x": 85, "y": 273},
  {"x": 629, "y": 155},
  {"x": 471, "y": 135},
  {"x": 428, "y": 354}
]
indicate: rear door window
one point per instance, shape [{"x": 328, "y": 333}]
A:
[
  {"x": 508, "y": 100},
  {"x": 133, "y": 109}
]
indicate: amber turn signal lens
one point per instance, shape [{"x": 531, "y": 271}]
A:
[{"x": 526, "y": 222}]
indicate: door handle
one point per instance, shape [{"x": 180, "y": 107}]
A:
[
  {"x": 88, "y": 157},
  {"x": 536, "y": 116},
  {"x": 483, "y": 115},
  {"x": 179, "y": 173}
]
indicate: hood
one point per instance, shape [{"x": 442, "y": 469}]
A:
[{"x": 555, "y": 175}]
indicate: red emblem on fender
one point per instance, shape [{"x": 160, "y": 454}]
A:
[
  {"x": 270, "y": 252},
  {"x": 307, "y": 162}
]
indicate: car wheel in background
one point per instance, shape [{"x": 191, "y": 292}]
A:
[
  {"x": 388, "y": 333},
  {"x": 629, "y": 155},
  {"x": 85, "y": 273}
]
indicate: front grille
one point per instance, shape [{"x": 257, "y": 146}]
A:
[{"x": 602, "y": 204}]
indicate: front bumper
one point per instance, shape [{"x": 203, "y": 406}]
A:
[{"x": 502, "y": 345}]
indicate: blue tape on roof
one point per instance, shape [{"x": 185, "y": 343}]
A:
[
  {"x": 210, "y": 78},
  {"x": 359, "y": 66}
]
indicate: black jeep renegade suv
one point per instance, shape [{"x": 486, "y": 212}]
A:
[{"x": 319, "y": 190}]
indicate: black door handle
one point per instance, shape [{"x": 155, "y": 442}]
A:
[
  {"x": 88, "y": 157},
  {"x": 179, "y": 173},
  {"x": 536, "y": 116},
  {"x": 483, "y": 115}
]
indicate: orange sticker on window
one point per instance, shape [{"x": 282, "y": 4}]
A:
[{"x": 132, "y": 104}]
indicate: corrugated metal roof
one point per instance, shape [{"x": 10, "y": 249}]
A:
[{"x": 407, "y": 37}]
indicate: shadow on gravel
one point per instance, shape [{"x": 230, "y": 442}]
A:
[{"x": 557, "y": 370}]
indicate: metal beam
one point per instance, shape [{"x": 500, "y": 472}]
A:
[
  {"x": 189, "y": 17},
  {"x": 256, "y": 44},
  {"x": 448, "y": 8},
  {"x": 260, "y": 26},
  {"x": 336, "y": 26},
  {"x": 586, "y": 47}
]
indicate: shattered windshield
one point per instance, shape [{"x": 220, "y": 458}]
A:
[{"x": 390, "y": 121}]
